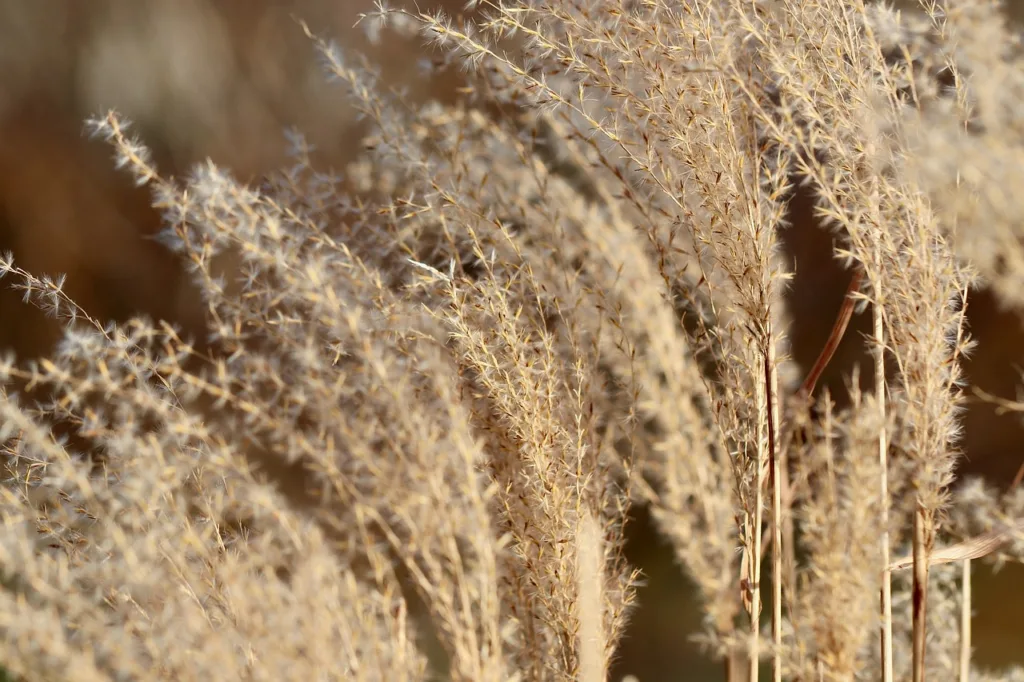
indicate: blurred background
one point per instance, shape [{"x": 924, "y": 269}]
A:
[{"x": 223, "y": 80}]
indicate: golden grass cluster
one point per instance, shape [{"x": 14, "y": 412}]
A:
[{"x": 434, "y": 385}]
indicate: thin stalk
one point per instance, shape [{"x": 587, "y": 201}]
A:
[
  {"x": 788, "y": 534},
  {"x": 753, "y": 670},
  {"x": 965, "y": 623},
  {"x": 772, "y": 397},
  {"x": 883, "y": 489},
  {"x": 920, "y": 591},
  {"x": 804, "y": 394},
  {"x": 755, "y": 554},
  {"x": 755, "y": 588}
]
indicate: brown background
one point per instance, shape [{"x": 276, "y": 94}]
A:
[{"x": 222, "y": 80}]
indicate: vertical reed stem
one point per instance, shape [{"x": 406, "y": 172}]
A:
[
  {"x": 920, "y": 591},
  {"x": 772, "y": 393},
  {"x": 755, "y": 556},
  {"x": 883, "y": 460}
]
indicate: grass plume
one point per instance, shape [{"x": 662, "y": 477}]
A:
[{"x": 433, "y": 390}]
